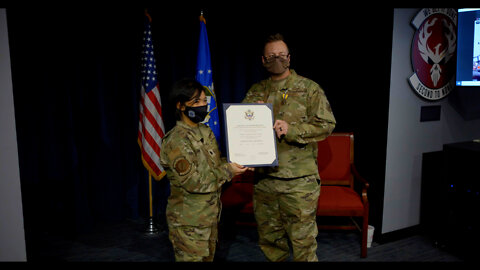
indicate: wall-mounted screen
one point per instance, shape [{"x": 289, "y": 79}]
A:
[{"x": 468, "y": 47}]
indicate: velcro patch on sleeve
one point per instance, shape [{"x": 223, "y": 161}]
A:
[{"x": 182, "y": 166}]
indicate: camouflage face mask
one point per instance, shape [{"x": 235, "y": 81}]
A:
[{"x": 277, "y": 65}]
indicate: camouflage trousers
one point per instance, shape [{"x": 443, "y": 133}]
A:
[
  {"x": 193, "y": 244},
  {"x": 287, "y": 210}
]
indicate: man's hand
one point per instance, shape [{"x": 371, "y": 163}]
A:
[{"x": 281, "y": 128}]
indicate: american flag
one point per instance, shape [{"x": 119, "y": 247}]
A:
[{"x": 150, "y": 125}]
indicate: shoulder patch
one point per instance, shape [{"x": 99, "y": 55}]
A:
[
  {"x": 182, "y": 166},
  {"x": 174, "y": 153}
]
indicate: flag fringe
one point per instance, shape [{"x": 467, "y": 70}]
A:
[{"x": 147, "y": 166}]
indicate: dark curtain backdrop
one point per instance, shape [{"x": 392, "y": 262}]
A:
[{"x": 76, "y": 89}]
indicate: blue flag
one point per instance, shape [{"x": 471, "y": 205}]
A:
[{"x": 204, "y": 76}]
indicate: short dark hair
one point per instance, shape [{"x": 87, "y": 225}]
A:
[
  {"x": 273, "y": 38},
  {"x": 183, "y": 91}
]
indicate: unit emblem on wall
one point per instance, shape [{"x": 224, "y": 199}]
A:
[{"x": 433, "y": 52}]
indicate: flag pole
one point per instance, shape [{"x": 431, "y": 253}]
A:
[
  {"x": 151, "y": 228},
  {"x": 150, "y": 92}
]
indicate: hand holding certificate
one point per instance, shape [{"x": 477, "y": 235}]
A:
[{"x": 250, "y": 135}]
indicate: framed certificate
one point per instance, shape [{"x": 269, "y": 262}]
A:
[{"x": 250, "y": 138}]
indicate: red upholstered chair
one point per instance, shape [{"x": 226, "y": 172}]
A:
[
  {"x": 338, "y": 195},
  {"x": 238, "y": 197}
]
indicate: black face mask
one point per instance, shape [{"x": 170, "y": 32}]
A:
[{"x": 196, "y": 114}]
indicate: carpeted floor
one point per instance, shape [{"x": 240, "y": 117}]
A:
[{"x": 128, "y": 242}]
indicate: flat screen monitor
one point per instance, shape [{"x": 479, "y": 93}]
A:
[
  {"x": 466, "y": 96},
  {"x": 468, "y": 47}
]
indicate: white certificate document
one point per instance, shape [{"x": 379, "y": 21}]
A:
[{"x": 250, "y": 138}]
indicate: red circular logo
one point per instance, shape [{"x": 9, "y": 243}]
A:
[
  {"x": 434, "y": 56},
  {"x": 433, "y": 53}
]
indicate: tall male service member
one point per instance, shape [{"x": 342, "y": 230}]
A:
[{"x": 285, "y": 197}]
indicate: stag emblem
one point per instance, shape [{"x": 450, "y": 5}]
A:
[{"x": 439, "y": 55}]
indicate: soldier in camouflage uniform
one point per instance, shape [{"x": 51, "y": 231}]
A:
[
  {"x": 285, "y": 197},
  {"x": 196, "y": 172}
]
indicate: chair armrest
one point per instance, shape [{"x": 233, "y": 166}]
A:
[
  {"x": 359, "y": 177},
  {"x": 364, "y": 182},
  {"x": 247, "y": 177}
]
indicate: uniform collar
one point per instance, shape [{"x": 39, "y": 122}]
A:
[
  {"x": 292, "y": 74},
  {"x": 195, "y": 132},
  {"x": 288, "y": 80}
]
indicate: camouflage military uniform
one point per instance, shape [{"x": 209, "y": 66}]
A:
[
  {"x": 285, "y": 198},
  {"x": 196, "y": 172}
]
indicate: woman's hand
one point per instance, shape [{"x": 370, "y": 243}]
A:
[{"x": 239, "y": 169}]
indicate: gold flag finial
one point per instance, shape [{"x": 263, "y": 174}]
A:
[
  {"x": 148, "y": 15},
  {"x": 202, "y": 19}
]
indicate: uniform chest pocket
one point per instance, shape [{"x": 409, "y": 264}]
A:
[{"x": 209, "y": 155}]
